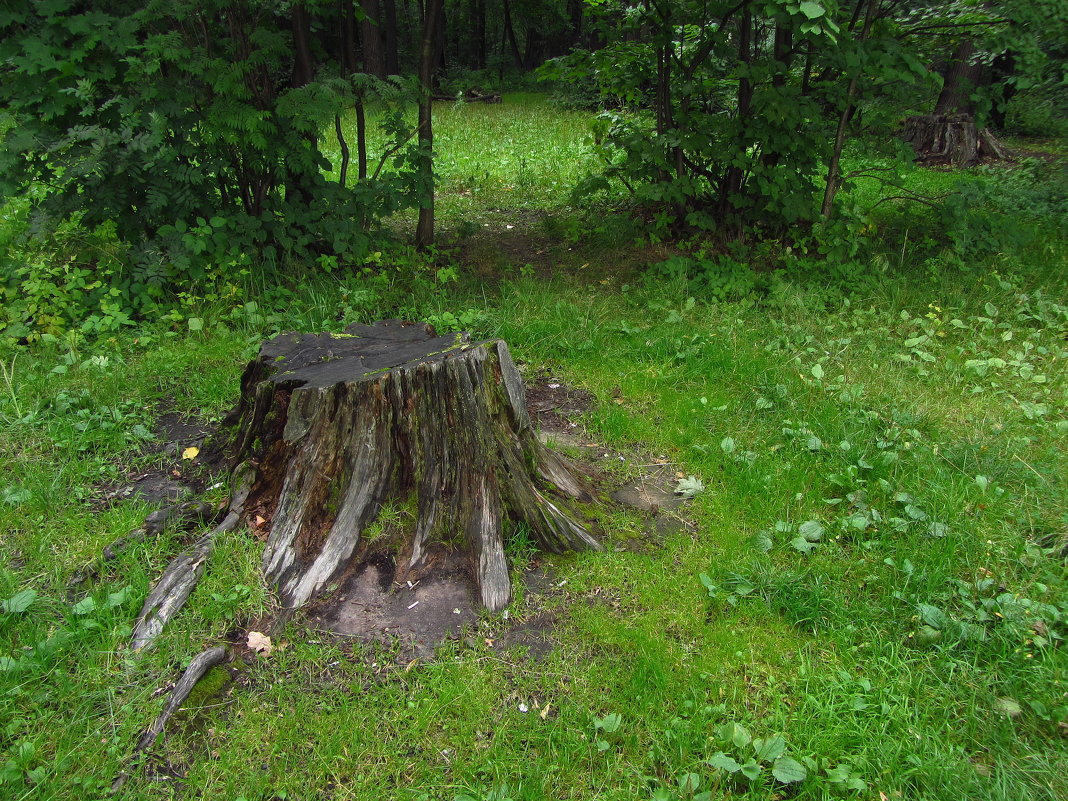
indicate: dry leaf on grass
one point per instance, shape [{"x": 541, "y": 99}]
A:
[{"x": 260, "y": 643}]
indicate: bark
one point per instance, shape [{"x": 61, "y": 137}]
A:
[
  {"x": 960, "y": 81},
  {"x": 509, "y": 33},
  {"x": 478, "y": 33},
  {"x": 834, "y": 180},
  {"x": 734, "y": 178},
  {"x": 303, "y": 70},
  {"x": 951, "y": 140},
  {"x": 389, "y": 37},
  {"x": 361, "y": 138},
  {"x": 370, "y": 38},
  {"x": 339, "y": 426},
  {"x": 344, "y": 145},
  {"x": 950, "y": 136},
  {"x": 347, "y": 18},
  {"x": 298, "y": 182}
]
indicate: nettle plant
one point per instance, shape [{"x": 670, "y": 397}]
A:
[{"x": 741, "y": 762}]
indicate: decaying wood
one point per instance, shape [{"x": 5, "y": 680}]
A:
[
  {"x": 340, "y": 425},
  {"x": 197, "y": 669},
  {"x": 182, "y": 575},
  {"x": 951, "y": 140}
]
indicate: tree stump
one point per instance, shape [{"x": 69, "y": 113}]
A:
[
  {"x": 951, "y": 140},
  {"x": 338, "y": 425}
]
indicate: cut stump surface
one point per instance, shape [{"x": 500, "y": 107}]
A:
[{"x": 339, "y": 426}]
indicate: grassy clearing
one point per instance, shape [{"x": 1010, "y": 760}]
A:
[
  {"x": 876, "y": 573},
  {"x": 519, "y": 155}
]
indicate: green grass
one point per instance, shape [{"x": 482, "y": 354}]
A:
[
  {"x": 494, "y": 159},
  {"x": 919, "y": 419}
]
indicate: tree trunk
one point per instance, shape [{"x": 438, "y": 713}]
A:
[
  {"x": 509, "y": 33},
  {"x": 951, "y": 140},
  {"x": 950, "y": 136},
  {"x": 424, "y": 230},
  {"x": 960, "y": 81},
  {"x": 339, "y": 425},
  {"x": 370, "y": 38},
  {"x": 389, "y": 37},
  {"x": 478, "y": 32}
]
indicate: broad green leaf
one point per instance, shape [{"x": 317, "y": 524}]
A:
[
  {"x": 195, "y": 324},
  {"x": 751, "y": 770},
  {"x": 118, "y": 598},
  {"x": 721, "y": 761},
  {"x": 735, "y": 733},
  {"x": 812, "y": 9},
  {"x": 762, "y": 541},
  {"x": 19, "y": 602},
  {"x": 727, "y": 445},
  {"x": 9, "y": 665},
  {"x": 84, "y": 606},
  {"x": 788, "y": 770},
  {"x": 933, "y": 616},
  {"x": 802, "y": 545},
  {"x": 811, "y": 530},
  {"x": 609, "y": 723},
  {"x": 689, "y": 782},
  {"x": 770, "y": 749},
  {"x": 712, "y": 587},
  {"x": 817, "y": 369}
]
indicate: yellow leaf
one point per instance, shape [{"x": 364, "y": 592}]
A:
[{"x": 190, "y": 453}]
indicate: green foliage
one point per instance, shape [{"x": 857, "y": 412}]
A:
[
  {"x": 178, "y": 127},
  {"x": 725, "y": 115}
]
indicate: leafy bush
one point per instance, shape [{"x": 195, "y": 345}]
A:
[{"x": 198, "y": 143}]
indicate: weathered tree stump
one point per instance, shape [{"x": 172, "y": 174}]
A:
[
  {"x": 951, "y": 140},
  {"x": 339, "y": 425}
]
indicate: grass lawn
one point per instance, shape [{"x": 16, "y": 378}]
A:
[{"x": 868, "y": 601}]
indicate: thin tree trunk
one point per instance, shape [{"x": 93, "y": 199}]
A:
[
  {"x": 303, "y": 73},
  {"x": 509, "y": 33},
  {"x": 344, "y": 145},
  {"x": 361, "y": 138},
  {"x": 478, "y": 19},
  {"x": 834, "y": 167},
  {"x": 347, "y": 17},
  {"x": 424, "y": 231},
  {"x": 732, "y": 183}
]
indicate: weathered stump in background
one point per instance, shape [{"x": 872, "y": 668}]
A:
[
  {"x": 951, "y": 140},
  {"x": 337, "y": 426}
]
